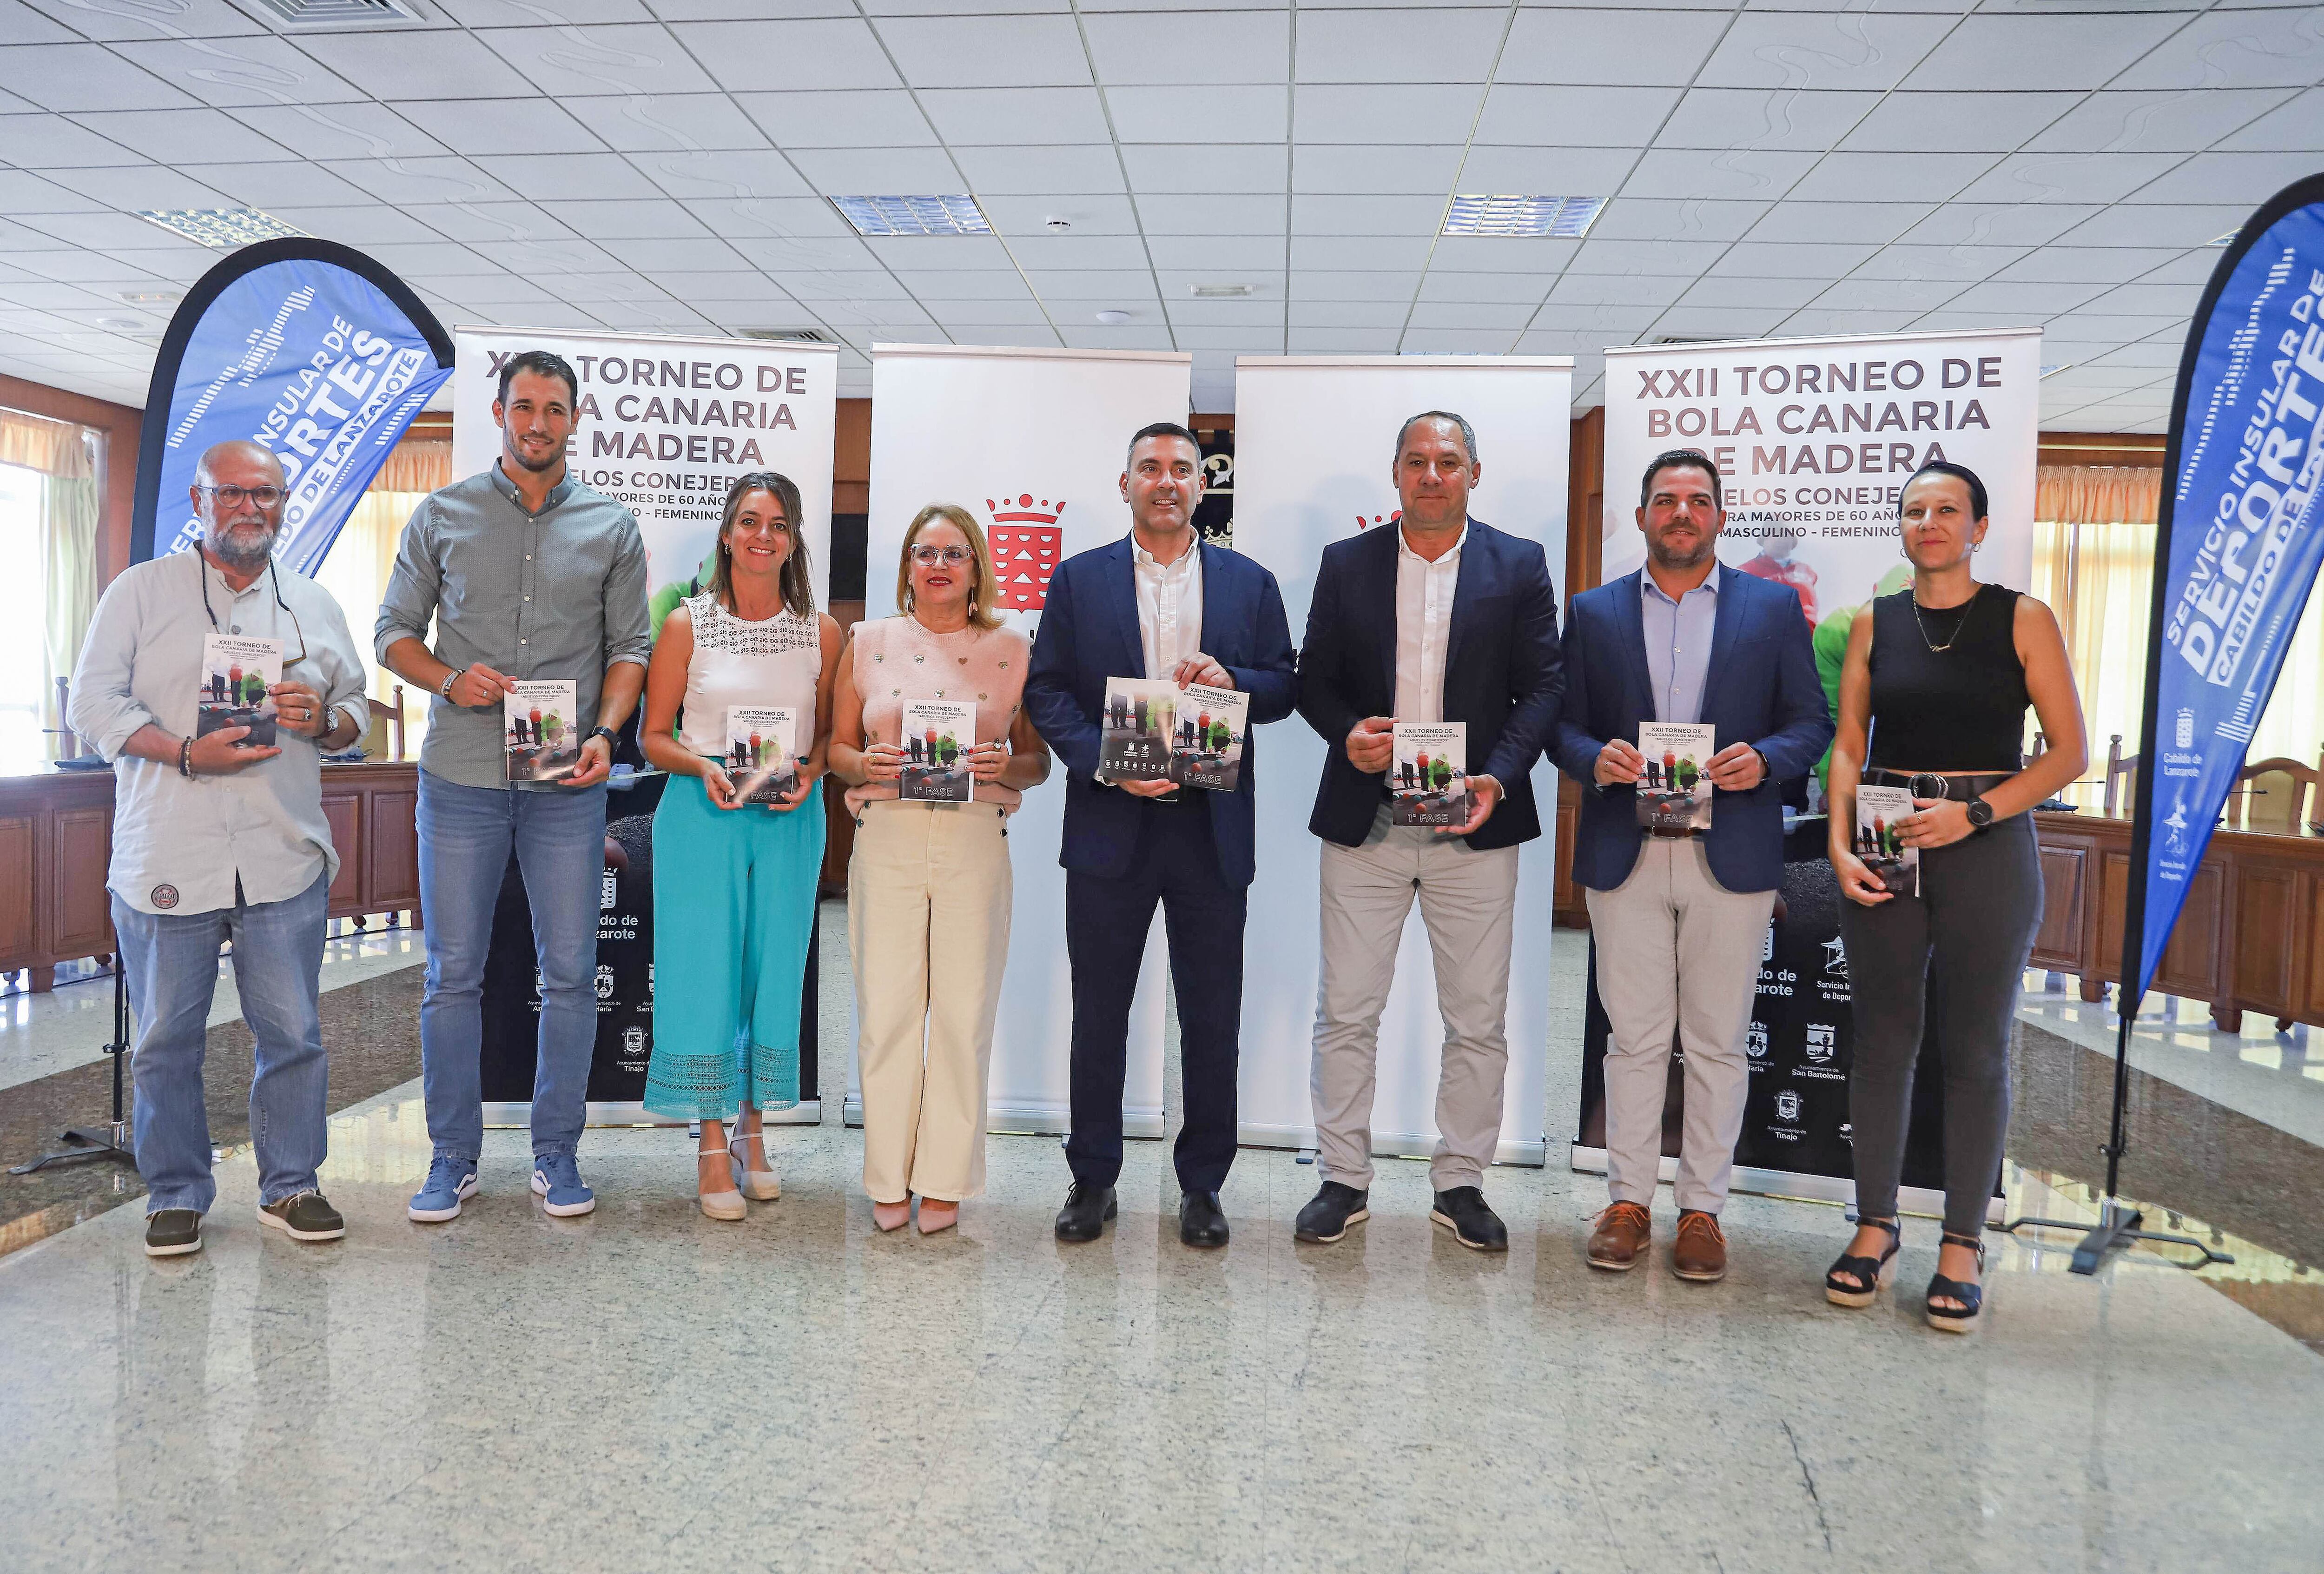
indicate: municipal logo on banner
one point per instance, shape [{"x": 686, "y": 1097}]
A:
[
  {"x": 308, "y": 348},
  {"x": 2238, "y": 542},
  {"x": 1027, "y": 544}
]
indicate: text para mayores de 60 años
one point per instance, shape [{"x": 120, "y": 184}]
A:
[{"x": 1822, "y": 419}]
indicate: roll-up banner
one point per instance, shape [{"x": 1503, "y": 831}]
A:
[
  {"x": 1314, "y": 462},
  {"x": 1815, "y": 439},
  {"x": 2235, "y": 548},
  {"x": 309, "y": 349},
  {"x": 1033, "y": 443},
  {"x": 665, "y": 424}
]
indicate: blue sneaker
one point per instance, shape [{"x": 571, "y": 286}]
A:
[
  {"x": 557, "y": 1181},
  {"x": 450, "y": 1181}
]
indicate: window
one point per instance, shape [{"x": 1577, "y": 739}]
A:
[{"x": 22, "y": 618}]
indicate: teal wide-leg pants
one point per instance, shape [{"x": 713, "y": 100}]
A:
[{"x": 733, "y": 906}]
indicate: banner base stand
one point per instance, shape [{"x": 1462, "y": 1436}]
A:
[
  {"x": 518, "y": 1113},
  {"x": 1390, "y": 1144},
  {"x": 2117, "y": 1228},
  {"x": 1920, "y": 1201},
  {"x": 1037, "y": 1120}
]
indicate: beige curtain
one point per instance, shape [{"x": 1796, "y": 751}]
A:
[
  {"x": 356, "y": 569},
  {"x": 68, "y": 458}
]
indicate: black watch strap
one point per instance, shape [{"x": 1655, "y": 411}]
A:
[
  {"x": 607, "y": 733},
  {"x": 1981, "y": 813}
]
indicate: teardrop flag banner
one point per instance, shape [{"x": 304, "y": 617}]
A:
[
  {"x": 2235, "y": 548},
  {"x": 307, "y": 347}
]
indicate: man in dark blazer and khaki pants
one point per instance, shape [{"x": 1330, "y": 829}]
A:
[{"x": 1437, "y": 618}]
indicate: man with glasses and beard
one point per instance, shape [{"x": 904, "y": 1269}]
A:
[
  {"x": 526, "y": 576},
  {"x": 216, "y": 839}
]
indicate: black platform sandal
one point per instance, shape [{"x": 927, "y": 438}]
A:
[
  {"x": 1863, "y": 1275},
  {"x": 1944, "y": 1319}
]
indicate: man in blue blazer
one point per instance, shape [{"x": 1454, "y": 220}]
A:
[
  {"x": 1436, "y": 618},
  {"x": 1160, "y": 603},
  {"x": 1679, "y": 913}
]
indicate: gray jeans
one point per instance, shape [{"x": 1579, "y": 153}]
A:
[{"x": 1973, "y": 923}]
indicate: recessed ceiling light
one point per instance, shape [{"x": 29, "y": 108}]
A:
[
  {"x": 121, "y": 324},
  {"x": 152, "y": 297},
  {"x": 221, "y": 227},
  {"x": 1114, "y": 318},
  {"x": 1567, "y": 217},
  {"x": 913, "y": 214},
  {"x": 1059, "y": 225},
  {"x": 1223, "y": 291}
]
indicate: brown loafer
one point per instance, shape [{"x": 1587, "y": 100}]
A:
[
  {"x": 1699, "y": 1252},
  {"x": 1622, "y": 1233}
]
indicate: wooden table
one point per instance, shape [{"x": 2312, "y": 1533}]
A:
[{"x": 56, "y": 839}]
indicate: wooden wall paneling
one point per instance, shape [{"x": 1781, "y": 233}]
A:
[
  {"x": 2311, "y": 948},
  {"x": 1585, "y": 504},
  {"x": 391, "y": 848},
  {"x": 79, "y": 918},
  {"x": 342, "y": 812},
  {"x": 2058, "y": 943},
  {"x": 2263, "y": 916},
  {"x": 16, "y": 887},
  {"x": 2193, "y": 964},
  {"x": 1568, "y": 908}
]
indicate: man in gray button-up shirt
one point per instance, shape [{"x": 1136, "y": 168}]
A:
[{"x": 527, "y": 575}]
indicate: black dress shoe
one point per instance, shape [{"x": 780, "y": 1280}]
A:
[
  {"x": 1463, "y": 1211},
  {"x": 172, "y": 1232},
  {"x": 1334, "y": 1208},
  {"x": 1086, "y": 1209},
  {"x": 1202, "y": 1222}
]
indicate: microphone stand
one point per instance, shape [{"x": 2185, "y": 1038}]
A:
[{"x": 111, "y": 1140}]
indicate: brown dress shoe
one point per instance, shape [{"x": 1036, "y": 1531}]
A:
[
  {"x": 1699, "y": 1252},
  {"x": 1622, "y": 1233}
]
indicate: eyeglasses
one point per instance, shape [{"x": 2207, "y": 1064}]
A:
[
  {"x": 232, "y": 497},
  {"x": 950, "y": 557}
]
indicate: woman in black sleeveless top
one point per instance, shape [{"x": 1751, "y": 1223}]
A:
[{"x": 1939, "y": 677}]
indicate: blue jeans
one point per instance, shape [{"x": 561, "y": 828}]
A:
[
  {"x": 171, "y": 962},
  {"x": 465, "y": 836}
]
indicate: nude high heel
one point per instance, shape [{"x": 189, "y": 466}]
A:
[
  {"x": 720, "y": 1205},
  {"x": 936, "y": 1214},
  {"x": 758, "y": 1185}
]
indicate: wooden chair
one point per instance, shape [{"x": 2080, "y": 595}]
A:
[
  {"x": 2272, "y": 796},
  {"x": 2121, "y": 777},
  {"x": 385, "y": 728}
]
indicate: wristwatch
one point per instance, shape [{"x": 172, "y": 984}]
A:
[
  {"x": 613, "y": 738},
  {"x": 1981, "y": 813}
]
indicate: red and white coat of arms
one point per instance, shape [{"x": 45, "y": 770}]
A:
[{"x": 1026, "y": 543}]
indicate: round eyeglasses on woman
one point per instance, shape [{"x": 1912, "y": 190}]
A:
[{"x": 950, "y": 557}]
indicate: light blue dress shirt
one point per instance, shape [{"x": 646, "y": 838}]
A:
[{"x": 1678, "y": 644}]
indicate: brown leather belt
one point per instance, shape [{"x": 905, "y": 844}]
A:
[{"x": 1932, "y": 784}]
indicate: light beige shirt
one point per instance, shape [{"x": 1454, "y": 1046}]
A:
[
  {"x": 1169, "y": 607},
  {"x": 1424, "y": 623}
]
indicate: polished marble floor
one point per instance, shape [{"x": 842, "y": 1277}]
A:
[{"x": 646, "y": 1389}]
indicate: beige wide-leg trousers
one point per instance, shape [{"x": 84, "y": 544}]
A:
[
  {"x": 1678, "y": 956},
  {"x": 928, "y": 891}
]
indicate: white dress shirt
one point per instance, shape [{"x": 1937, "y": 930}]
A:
[
  {"x": 1424, "y": 625},
  {"x": 181, "y": 846},
  {"x": 1169, "y": 607}
]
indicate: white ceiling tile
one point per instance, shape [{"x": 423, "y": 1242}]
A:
[
  {"x": 2000, "y": 224},
  {"x": 1725, "y": 293},
  {"x": 1859, "y": 49},
  {"x": 1454, "y": 341},
  {"x": 1443, "y": 45},
  {"x": 1480, "y": 287},
  {"x": 146, "y": 188},
  {"x": 1246, "y": 113},
  {"x": 92, "y": 269},
  {"x": 2131, "y": 225},
  {"x": 962, "y": 284},
  {"x": 83, "y": 75},
  {"x": 1024, "y": 312},
  {"x": 1720, "y": 321},
  {"x": 365, "y": 224},
  {"x": 1212, "y": 214},
  {"x": 23, "y": 193},
  {"x": 1223, "y": 313},
  {"x": 417, "y": 64},
  {"x": 1092, "y": 336},
  {"x": 1629, "y": 218},
  {"x": 579, "y": 176},
  {"x": 2003, "y": 50},
  {"x": 909, "y": 255},
  {"x": 273, "y": 185},
  {"x": 2022, "y": 300},
  {"x": 180, "y": 136},
  {"x": 1351, "y": 313},
  {"x": 798, "y": 251},
  {"x": 1547, "y": 171},
  {"x": 1206, "y": 168},
  {"x": 20, "y": 24},
  {"x": 1037, "y": 170},
  {"x": 2148, "y": 300},
  {"x": 2155, "y": 122},
  {"x": 1319, "y": 214},
  {"x": 1353, "y": 253},
  {"x": 1054, "y": 284},
  {"x": 1839, "y": 221},
  {"x": 834, "y": 286},
  {"x": 1344, "y": 341},
  {"x": 2156, "y": 356},
  {"x": 1963, "y": 263},
  {"x": 1219, "y": 254},
  {"x": 2189, "y": 267},
  {"x": 1892, "y": 294},
  {"x": 659, "y": 259},
  {"x": 633, "y": 218},
  {"x": 1418, "y": 112},
  {"x": 1375, "y": 169},
  {"x": 843, "y": 52},
  {"x": 1086, "y": 212},
  {"x": 2276, "y": 48},
  {"x": 1907, "y": 123},
  {"x": 1010, "y": 115},
  {"x": 551, "y": 255},
  {"x": 603, "y": 59},
  {"x": 42, "y": 141},
  {"x": 106, "y": 232},
  {"x": 1519, "y": 113},
  {"x": 2088, "y": 265},
  {"x": 341, "y": 131},
  {"x": 2068, "y": 177},
  {"x": 1742, "y": 176},
  {"x": 1232, "y": 46},
  {"x": 776, "y": 218},
  {"x": 1252, "y": 340},
  {"x": 261, "y": 69},
  {"x": 2247, "y": 178},
  {"x": 871, "y": 117},
  {"x": 1343, "y": 284},
  {"x": 475, "y": 221},
  {"x": 1047, "y": 253},
  {"x": 879, "y": 171},
  {"x": 1792, "y": 259},
  {"x": 481, "y": 14},
  {"x": 527, "y": 124},
  {"x": 1764, "y": 117},
  {"x": 1593, "y": 47},
  {"x": 671, "y": 122},
  {"x": 422, "y": 179},
  {"x": 1613, "y": 289},
  {"x": 1819, "y": 319},
  {"x": 737, "y": 174},
  {"x": 2089, "y": 324},
  {"x": 1928, "y": 177},
  {"x": 16, "y": 238},
  {"x": 2297, "y": 126},
  {"x": 986, "y": 52},
  {"x": 1508, "y": 317},
  {"x": 1607, "y": 254},
  {"x": 433, "y": 259},
  {"x": 1503, "y": 254}
]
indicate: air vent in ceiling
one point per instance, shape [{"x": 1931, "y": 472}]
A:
[
  {"x": 787, "y": 335},
  {"x": 1687, "y": 339},
  {"x": 335, "y": 15}
]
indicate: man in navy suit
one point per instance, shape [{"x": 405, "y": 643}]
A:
[
  {"x": 1160, "y": 603},
  {"x": 1680, "y": 915},
  {"x": 1438, "y": 618}
]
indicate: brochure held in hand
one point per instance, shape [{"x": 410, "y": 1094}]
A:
[
  {"x": 1134, "y": 733},
  {"x": 1428, "y": 776},
  {"x": 760, "y": 759},
  {"x": 238, "y": 672},
  {"x": 1675, "y": 787},
  {"x": 541, "y": 730},
  {"x": 1881, "y": 845},
  {"x": 937, "y": 735},
  {"x": 1206, "y": 749}
]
